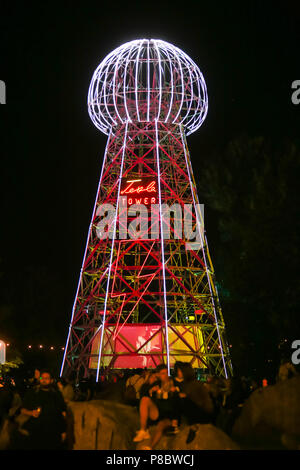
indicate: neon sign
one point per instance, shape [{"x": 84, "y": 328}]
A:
[
  {"x": 132, "y": 188},
  {"x": 140, "y": 191}
]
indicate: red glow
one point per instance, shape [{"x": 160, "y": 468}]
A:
[
  {"x": 146, "y": 338},
  {"x": 200, "y": 311},
  {"x": 264, "y": 383}
]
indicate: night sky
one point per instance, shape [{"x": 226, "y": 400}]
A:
[{"x": 51, "y": 153}]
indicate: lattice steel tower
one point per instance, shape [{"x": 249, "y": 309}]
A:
[{"x": 146, "y": 292}]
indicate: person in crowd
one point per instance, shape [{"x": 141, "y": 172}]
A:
[
  {"x": 178, "y": 384},
  {"x": 195, "y": 393},
  {"x": 46, "y": 411},
  {"x": 233, "y": 400},
  {"x": 253, "y": 385},
  {"x": 196, "y": 405},
  {"x": 286, "y": 370},
  {"x": 215, "y": 387},
  {"x": 157, "y": 406},
  {"x": 151, "y": 381},
  {"x": 6, "y": 400},
  {"x": 178, "y": 376},
  {"x": 34, "y": 381},
  {"x": 84, "y": 390},
  {"x": 66, "y": 389},
  {"x": 226, "y": 389},
  {"x": 147, "y": 409},
  {"x": 133, "y": 386}
]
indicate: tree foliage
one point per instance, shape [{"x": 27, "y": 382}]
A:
[{"x": 251, "y": 189}]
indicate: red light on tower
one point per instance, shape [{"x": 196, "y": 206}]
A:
[{"x": 199, "y": 311}]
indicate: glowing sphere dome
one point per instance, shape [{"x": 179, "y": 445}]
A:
[{"x": 147, "y": 80}]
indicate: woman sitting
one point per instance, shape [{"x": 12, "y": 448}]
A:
[{"x": 157, "y": 405}]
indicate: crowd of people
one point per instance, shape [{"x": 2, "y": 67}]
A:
[
  {"x": 167, "y": 402},
  {"x": 34, "y": 413}
]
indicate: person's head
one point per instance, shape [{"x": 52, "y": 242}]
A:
[
  {"x": 151, "y": 377},
  {"x": 46, "y": 379},
  {"x": 187, "y": 371},
  {"x": 177, "y": 370},
  {"x": 253, "y": 383},
  {"x": 162, "y": 373}
]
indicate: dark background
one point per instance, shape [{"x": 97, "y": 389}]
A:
[{"x": 247, "y": 150}]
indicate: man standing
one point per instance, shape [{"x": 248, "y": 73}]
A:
[{"x": 46, "y": 410}]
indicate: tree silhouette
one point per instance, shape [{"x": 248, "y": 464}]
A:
[{"x": 251, "y": 190}]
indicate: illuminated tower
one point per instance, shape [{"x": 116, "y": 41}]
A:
[{"x": 146, "y": 292}]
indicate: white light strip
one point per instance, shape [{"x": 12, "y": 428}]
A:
[
  {"x": 104, "y": 88},
  {"x": 136, "y": 80},
  {"x": 94, "y": 115},
  {"x": 192, "y": 89},
  {"x": 200, "y": 101},
  {"x": 114, "y": 85},
  {"x": 85, "y": 252},
  {"x": 182, "y": 84},
  {"x": 111, "y": 255},
  {"x": 172, "y": 87},
  {"x": 203, "y": 250},
  {"x": 160, "y": 87},
  {"x": 125, "y": 74},
  {"x": 148, "y": 82},
  {"x": 162, "y": 249}
]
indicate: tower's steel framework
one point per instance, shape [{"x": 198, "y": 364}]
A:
[{"x": 148, "y": 295}]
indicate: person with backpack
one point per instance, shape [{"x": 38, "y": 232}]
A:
[{"x": 133, "y": 387}]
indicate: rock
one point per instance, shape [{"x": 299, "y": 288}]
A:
[
  {"x": 103, "y": 425},
  {"x": 290, "y": 442},
  {"x": 4, "y": 435},
  {"x": 271, "y": 416},
  {"x": 207, "y": 437},
  {"x": 107, "y": 425}
]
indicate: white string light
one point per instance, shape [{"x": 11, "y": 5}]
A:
[{"x": 163, "y": 262}]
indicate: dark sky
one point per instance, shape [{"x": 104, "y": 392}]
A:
[{"x": 51, "y": 153}]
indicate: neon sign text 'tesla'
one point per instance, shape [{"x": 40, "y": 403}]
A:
[{"x": 140, "y": 191}]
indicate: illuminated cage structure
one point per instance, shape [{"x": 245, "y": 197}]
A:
[{"x": 146, "y": 293}]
